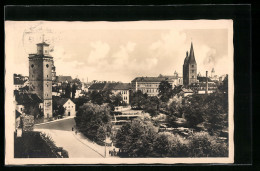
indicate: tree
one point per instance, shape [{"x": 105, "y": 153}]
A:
[
  {"x": 170, "y": 145},
  {"x": 96, "y": 98},
  {"x": 137, "y": 138},
  {"x": 201, "y": 144},
  {"x": 138, "y": 99},
  {"x": 152, "y": 105},
  {"x": 94, "y": 121},
  {"x": 106, "y": 96},
  {"x": 117, "y": 99},
  {"x": 74, "y": 88},
  {"x": 80, "y": 101},
  {"x": 67, "y": 91},
  {"x": 165, "y": 91}
]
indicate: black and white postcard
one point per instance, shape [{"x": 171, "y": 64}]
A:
[{"x": 132, "y": 92}]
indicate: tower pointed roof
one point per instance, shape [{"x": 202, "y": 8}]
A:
[{"x": 192, "y": 56}]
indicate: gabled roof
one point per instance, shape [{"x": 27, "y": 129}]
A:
[
  {"x": 97, "y": 86},
  {"x": 63, "y": 78},
  {"x": 60, "y": 101},
  {"x": 154, "y": 79},
  {"x": 123, "y": 86},
  {"x": 22, "y": 99}
]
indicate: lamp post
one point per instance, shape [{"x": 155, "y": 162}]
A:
[{"x": 107, "y": 140}]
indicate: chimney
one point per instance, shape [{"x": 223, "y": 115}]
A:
[{"x": 206, "y": 82}]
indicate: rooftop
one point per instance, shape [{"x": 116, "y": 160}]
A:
[{"x": 27, "y": 99}]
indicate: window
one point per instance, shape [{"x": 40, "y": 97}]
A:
[
  {"x": 192, "y": 66},
  {"x": 21, "y": 109},
  {"x": 32, "y": 65},
  {"x": 192, "y": 71},
  {"x": 45, "y": 51},
  {"x": 47, "y": 65},
  {"x": 47, "y": 76},
  {"x": 193, "y": 76}
]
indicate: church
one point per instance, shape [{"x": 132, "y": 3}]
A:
[{"x": 189, "y": 68}]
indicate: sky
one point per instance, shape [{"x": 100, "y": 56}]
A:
[{"x": 121, "y": 51}]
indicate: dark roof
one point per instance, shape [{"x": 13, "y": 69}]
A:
[
  {"x": 110, "y": 86},
  {"x": 59, "y": 100},
  {"x": 27, "y": 98},
  {"x": 203, "y": 79},
  {"x": 192, "y": 56},
  {"x": 18, "y": 81},
  {"x": 63, "y": 78},
  {"x": 43, "y": 43},
  {"x": 123, "y": 86},
  {"x": 97, "y": 86},
  {"x": 154, "y": 79}
]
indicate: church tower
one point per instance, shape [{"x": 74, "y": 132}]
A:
[
  {"x": 40, "y": 76},
  {"x": 189, "y": 68}
]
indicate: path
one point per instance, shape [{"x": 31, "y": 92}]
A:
[{"x": 63, "y": 136}]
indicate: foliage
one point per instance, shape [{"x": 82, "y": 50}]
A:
[
  {"x": 67, "y": 91},
  {"x": 170, "y": 145},
  {"x": 96, "y": 98},
  {"x": 73, "y": 90},
  {"x": 203, "y": 145},
  {"x": 117, "y": 99},
  {"x": 152, "y": 105},
  {"x": 165, "y": 91},
  {"x": 137, "y": 138},
  {"x": 57, "y": 109},
  {"x": 94, "y": 121},
  {"x": 36, "y": 145},
  {"x": 138, "y": 99},
  {"x": 80, "y": 101}
]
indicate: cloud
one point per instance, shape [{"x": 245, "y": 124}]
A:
[
  {"x": 121, "y": 57},
  {"x": 100, "y": 51}
]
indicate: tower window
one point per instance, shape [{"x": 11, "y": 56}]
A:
[
  {"x": 192, "y": 71},
  {"x": 47, "y": 76},
  {"x": 192, "y": 66},
  {"x": 32, "y": 65},
  {"x": 47, "y": 65}
]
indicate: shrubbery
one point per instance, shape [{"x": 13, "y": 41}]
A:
[
  {"x": 94, "y": 121},
  {"x": 141, "y": 139}
]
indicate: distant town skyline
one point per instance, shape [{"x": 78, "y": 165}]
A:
[{"x": 118, "y": 53}]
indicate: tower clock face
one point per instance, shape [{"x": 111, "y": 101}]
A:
[{"x": 37, "y": 33}]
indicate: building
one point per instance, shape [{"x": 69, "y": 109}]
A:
[
  {"x": 27, "y": 99},
  {"x": 40, "y": 76},
  {"x": 63, "y": 79},
  {"x": 68, "y": 104},
  {"x": 150, "y": 85},
  {"x": 53, "y": 72},
  {"x": 186, "y": 92},
  {"x": 96, "y": 87},
  {"x": 204, "y": 85},
  {"x": 116, "y": 88},
  {"x": 124, "y": 89},
  {"x": 189, "y": 68},
  {"x": 20, "y": 82}
]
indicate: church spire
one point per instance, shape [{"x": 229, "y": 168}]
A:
[{"x": 192, "y": 56}]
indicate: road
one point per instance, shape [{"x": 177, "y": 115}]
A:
[{"x": 63, "y": 136}]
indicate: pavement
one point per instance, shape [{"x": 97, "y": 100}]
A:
[{"x": 77, "y": 146}]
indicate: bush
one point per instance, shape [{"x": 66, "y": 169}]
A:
[
  {"x": 203, "y": 145},
  {"x": 94, "y": 121}
]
